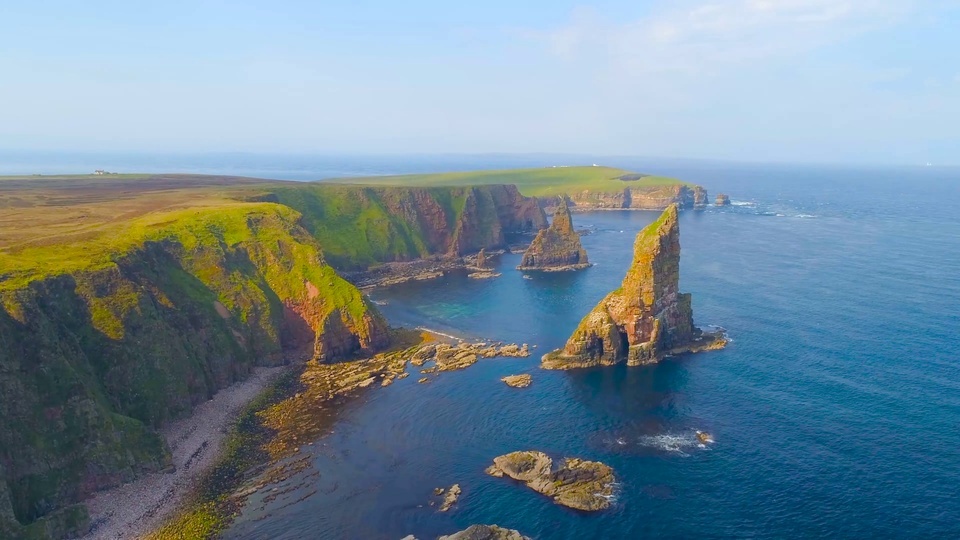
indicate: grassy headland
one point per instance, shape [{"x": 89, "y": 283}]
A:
[{"x": 537, "y": 182}]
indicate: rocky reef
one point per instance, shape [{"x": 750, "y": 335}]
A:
[
  {"x": 518, "y": 381},
  {"x": 642, "y": 197},
  {"x": 722, "y": 200},
  {"x": 647, "y": 317},
  {"x": 556, "y": 248},
  {"x": 578, "y": 484},
  {"x": 94, "y": 361}
]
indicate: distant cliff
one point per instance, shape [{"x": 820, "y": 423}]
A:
[
  {"x": 642, "y": 197},
  {"x": 93, "y": 360},
  {"x": 647, "y": 317},
  {"x": 556, "y": 247},
  {"x": 360, "y": 226}
]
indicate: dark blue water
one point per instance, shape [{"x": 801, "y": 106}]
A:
[{"x": 836, "y": 409}]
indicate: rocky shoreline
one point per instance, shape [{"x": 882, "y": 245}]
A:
[{"x": 395, "y": 273}]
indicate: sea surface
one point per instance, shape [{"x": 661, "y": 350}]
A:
[{"x": 835, "y": 410}]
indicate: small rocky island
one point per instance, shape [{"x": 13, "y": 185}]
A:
[
  {"x": 556, "y": 248},
  {"x": 481, "y": 267},
  {"x": 647, "y": 317},
  {"x": 518, "y": 381},
  {"x": 484, "y": 532},
  {"x": 578, "y": 484},
  {"x": 722, "y": 199}
]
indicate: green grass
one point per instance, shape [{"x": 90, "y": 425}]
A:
[{"x": 540, "y": 182}]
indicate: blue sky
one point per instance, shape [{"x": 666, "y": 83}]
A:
[{"x": 860, "y": 81}]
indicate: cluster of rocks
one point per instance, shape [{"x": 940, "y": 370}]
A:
[
  {"x": 481, "y": 267},
  {"x": 450, "y": 357},
  {"x": 578, "y": 484},
  {"x": 647, "y": 317},
  {"x": 722, "y": 199},
  {"x": 556, "y": 248},
  {"x": 450, "y": 496}
]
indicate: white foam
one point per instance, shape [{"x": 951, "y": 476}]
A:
[
  {"x": 742, "y": 203},
  {"x": 425, "y": 329}
]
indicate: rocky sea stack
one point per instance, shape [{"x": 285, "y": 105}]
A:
[
  {"x": 646, "y": 318},
  {"x": 722, "y": 200},
  {"x": 556, "y": 248}
]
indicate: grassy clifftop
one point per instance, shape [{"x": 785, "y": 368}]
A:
[
  {"x": 538, "y": 182},
  {"x": 108, "y": 337},
  {"x": 125, "y": 301}
]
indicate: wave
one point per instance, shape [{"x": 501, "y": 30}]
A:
[
  {"x": 677, "y": 443},
  {"x": 742, "y": 203},
  {"x": 438, "y": 333}
]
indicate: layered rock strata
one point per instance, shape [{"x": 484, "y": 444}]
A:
[
  {"x": 647, "y": 317},
  {"x": 556, "y": 248},
  {"x": 642, "y": 198}
]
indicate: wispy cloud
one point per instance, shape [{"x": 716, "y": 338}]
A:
[{"x": 701, "y": 37}]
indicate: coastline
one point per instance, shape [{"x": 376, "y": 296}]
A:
[{"x": 136, "y": 509}]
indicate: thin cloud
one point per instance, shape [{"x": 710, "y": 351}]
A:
[{"x": 707, "y": 36}]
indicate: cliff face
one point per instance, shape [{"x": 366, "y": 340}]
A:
[
  {"x": 93, "y": 361},
  {"x": 643, "y": 198},
  {"x": 647, "y": 317},
  {"x": 556, "y": 247},
  {"x": 362, "y": 226}
]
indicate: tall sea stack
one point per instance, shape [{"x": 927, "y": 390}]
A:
[
  {"x": 556, "y": 248},
  {"x": 647, "y": 317}
]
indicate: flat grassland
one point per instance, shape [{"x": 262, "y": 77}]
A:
[
  {"x": 539, "y": 182},
  {"x": 60, "y": 224}
]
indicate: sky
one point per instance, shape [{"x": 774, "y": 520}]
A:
[{"x": 851, "y": 81}]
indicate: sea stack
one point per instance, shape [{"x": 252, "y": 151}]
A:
[
  {"x": 481, "y": 261},
  {"x": 722, "y": 200},
  {"x": 556, "y": 248},
  {"x": 646, "y": 318}
]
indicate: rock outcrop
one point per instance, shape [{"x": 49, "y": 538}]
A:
[
  {"x": 642, "y": 197},
  {"x": 484, "y": 532},
  {"x": 722, "y": 199},
  {"x": 578, "y": 484},
  {"x": 518, "y": 381},
  {"x": 556, "y": 248},
  {"x": 647, "y": 317}
]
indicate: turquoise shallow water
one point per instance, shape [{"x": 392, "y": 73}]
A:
[{"x": 835, "y": 410}]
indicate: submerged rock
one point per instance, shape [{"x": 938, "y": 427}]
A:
[
  {"x": 556, "y": 248},
  {"x": 578, "y": 484},
  {"x": 485, "y": 532},
  {"x": 722, "y": 200},
  {"x": 518, "y": 381},
  {"x": 647, "y": 317}
]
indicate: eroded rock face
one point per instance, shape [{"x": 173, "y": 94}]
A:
[
  {"x": 643, "y": 198},
  {"x": 485, "y": 532},
  {"x": 557, "y": 247},
  {"x": 722, "y": 199},
  {"x": 578, "y": 484},
  {"x": 647, "y": 317}
]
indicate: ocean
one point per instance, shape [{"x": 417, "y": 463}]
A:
[{"x": 835, "y": 410}]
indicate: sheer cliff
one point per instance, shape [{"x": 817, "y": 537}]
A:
[{"x": 647, "y": 317}]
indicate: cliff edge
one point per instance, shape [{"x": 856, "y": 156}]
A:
[
  {"x": 557, "y": 247},
  {"x": 647, "y": 317}
]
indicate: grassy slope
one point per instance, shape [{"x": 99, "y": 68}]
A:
[{"x": 541, "y": 182}]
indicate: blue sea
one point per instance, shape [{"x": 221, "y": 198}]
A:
[{"x": 835, "y": 410}]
